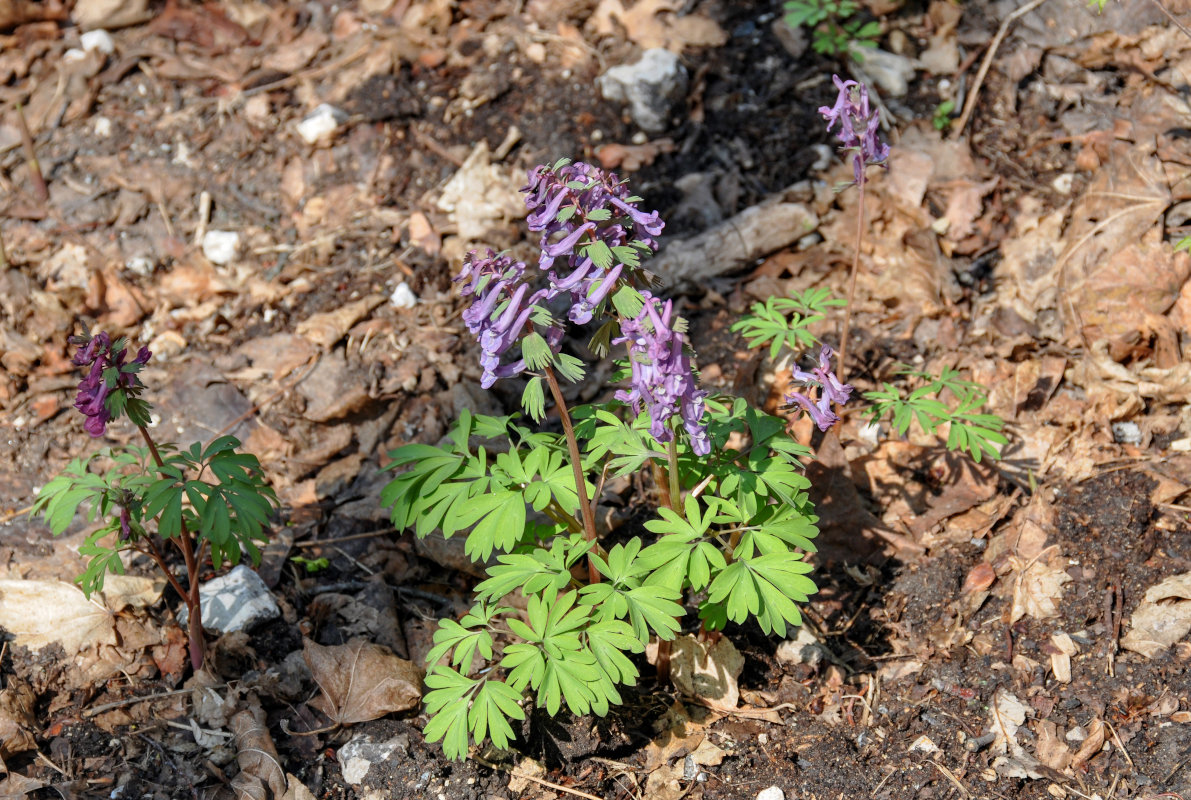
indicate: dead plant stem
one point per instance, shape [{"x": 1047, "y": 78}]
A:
[{"x": 39, "y": 188}]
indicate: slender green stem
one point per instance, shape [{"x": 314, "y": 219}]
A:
[
  {"x": 585, "y": 509},
  {"x": 840, "y": 365},
  {"x": 198, "y": 645},
  {"x": 672, "y": 467}
]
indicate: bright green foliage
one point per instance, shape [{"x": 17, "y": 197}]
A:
[
  {"x": 739, "y": 540},
  {"x": 835, "y": 31},
  {"x": 783, "y": 321},
  {"x": 942, "y": 116},
  {"x": 214, "y": 494},
  {"x": 975, "y": 433}
]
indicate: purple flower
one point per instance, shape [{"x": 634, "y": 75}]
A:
[
  {"x": 662, "y": 376},
  {"x": 859, "y": 126},
  {"x": 500, "y": 311},
  {"x": 832, "y": 390},
  {"x": 575, "y": 207},
  {"x": 98, "y": 353}
]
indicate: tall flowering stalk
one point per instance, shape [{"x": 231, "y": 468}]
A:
[
  {"x": 859, "y": 134},
  {"x": 201, "y": 519}
]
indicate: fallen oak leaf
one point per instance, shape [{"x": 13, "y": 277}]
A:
[
  {"x": 361, "y": 681},
  {"x": 261, "y": 776}
]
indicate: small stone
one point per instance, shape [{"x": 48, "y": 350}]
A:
[
  {"x": 403, "y": 296},
  {"x": 804, "y": 648},
  {"x": 358, "y": 755},
  {"x": 141, "y": 265},
  {"x": 891, "y": 72},
  {"x": 220, "y": 247},
  {"x": 98, "y": 39},
  {"x": 1063, "y": 183},
  {"x": 236, "y": 601},
  {"x": 923, "y": 744},
  {"x": 649, "y": 87},
  {"x": 772, "y": 793},
  {"x": 1126, "y": 433},
  {"x": 103, "y": 127},
  {"x": 320, "y": 123}
]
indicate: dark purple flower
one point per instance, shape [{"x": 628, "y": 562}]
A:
[
  {"x": 859, "y": 125},
  {"x": 100, "y": 355},
  {"x": 574, "y": 207},
  {"x": 831, "y": 390},
  {"x": 662, "y": 376},
  {"x": 500, "y": 311}
]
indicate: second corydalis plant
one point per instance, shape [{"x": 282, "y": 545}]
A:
[
  {"x": 859, "y": 132},
  {"x": 198, "y": 518},
  {"x": 734, "y": 522}
]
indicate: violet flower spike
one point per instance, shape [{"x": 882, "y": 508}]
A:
[
  {"x": 662, "y": 376},
  {"x": 831, "y": 391},
  {"x": 859, "y": 126},
  {"x": 97, "y": 353}
]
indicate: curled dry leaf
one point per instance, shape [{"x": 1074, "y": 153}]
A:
[
  {"x": 17, "y": 787},
  {"x": 1162, "y": 618},
  {"x": 1038, "y": 585},
  {"x": 361, "y": 681},
  {"x": 17, "y": 720},
  {"x": 39, "y": 613},
  {"x": 1091, "y": 745},
  {"x": 261, "y": 776},
  {"x": 655, "y": 23},
  {"x": 707, "y": 671}
]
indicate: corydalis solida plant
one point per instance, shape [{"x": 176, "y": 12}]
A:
[
  {"x": 733, "y": 521},
  {"x": 216, "y": 519}
]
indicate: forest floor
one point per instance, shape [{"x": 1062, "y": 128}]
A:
[{"x": 1009, "y": 629}]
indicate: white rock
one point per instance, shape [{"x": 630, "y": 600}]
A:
[
  {"x": 320, "y": 123},
  {"x": 220, "y": 247},
  {"x": 804, "y": 648},
  {"x": 98, "y": 39},
  {"x": 141, "y": 265},
  {"x": 772, "y": 793},
  {"x": 650, "y": 87},
  {"x": 889, "y": 71},
  {"x": 923, "y": 744},
  {"x": 361, "y": 752},
  {"x": 403, "y": 296},
  {"x": 103, "y": 127},
  {"x": 234, "y": 602},
  {"x": 74, "y": 54}
]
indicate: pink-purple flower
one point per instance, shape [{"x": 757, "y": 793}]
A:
[
  {"x": 107, "y": 374},
  {"x": 662, "y": 376},
  {"x": 831, "y": 391},
  {"x": 859, "y": 126}
]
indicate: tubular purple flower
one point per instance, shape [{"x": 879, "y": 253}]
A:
[
  {"x": 662, "y": 376},
  {"x": 97, "y": 353},
  {"x": 832, "y": 390},
  {"x": 821, "y": 413},
  {"x": 564, "y": 246},
  {"x": 540, "y": 220},
  {"x": 859, "y": 126}
]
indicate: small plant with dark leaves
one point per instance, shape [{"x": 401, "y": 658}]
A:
[
  {"x": 783, "y": 324},
  {"x": 733, "y": 522},
  {"x": 205, "y": 504}
]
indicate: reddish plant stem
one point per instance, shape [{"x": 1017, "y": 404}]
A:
[
  {"x": 198, "y": 645},
  {"x": 840, "y": 367},
  {"x": 585, "y": 509}
]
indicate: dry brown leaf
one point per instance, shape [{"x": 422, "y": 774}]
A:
[
  {"x": 1051, "y": 750},
  {"x": 480, "y": 196},
  {"x": 261, "y": 776},
  {"x": 17, "y": 787},
  {"x": 17, "y": 720},
  {"x": 706, "y": 671},
  {"x": 631, "y": 157},
  {"x": 1162, "y": 618},
  {"x": 329, "y": 327},
  {"x": 1005, "y": 716},
  {"x": 1091, "y": 745},
  {"x": 1060, "y": 657},
  {"x": 361, "y": 681},
  {"x": 297, "y": 790},
  {"x": 1038, "y": 585},
  {"x": 39, "y": 613},
  {"x": 655, "y": 23}
]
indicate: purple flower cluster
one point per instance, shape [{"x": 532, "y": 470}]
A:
[
  {"x": 500, "y": 311},
  {"x": 832, "y": 391},
  {"x": 859, "y": 124},
  {"x": 662, "y": 375},
  {"x": 586, "y": 206},
  {"x": 98, "y": 353}
]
